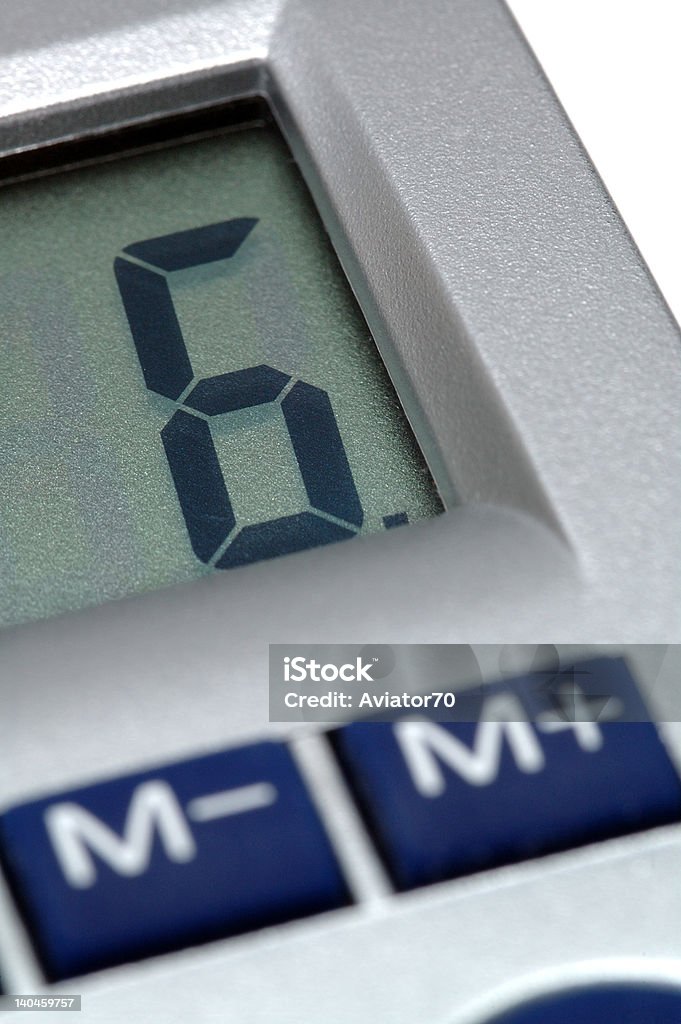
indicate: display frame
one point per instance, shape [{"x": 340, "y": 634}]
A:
[
  {"x": 513, "y": 398},
  {"x": 324, "y": 462}
]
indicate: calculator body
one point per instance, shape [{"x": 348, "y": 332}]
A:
[
  {"x": 532, "y": 353},
  {"x": 541, "y": 373}
]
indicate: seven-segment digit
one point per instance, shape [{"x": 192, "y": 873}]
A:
[{"x": 335, "y": 513}]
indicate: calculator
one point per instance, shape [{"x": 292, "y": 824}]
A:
[{"x": 307, "y": 340}]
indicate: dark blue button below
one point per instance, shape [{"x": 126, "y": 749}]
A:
[
  {"x": 448, "y": 799},
  {"x": 604, "y": 1004},
  {"x": 155, "y": 861}
]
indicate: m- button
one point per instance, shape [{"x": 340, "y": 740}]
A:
[{"x": 156, "y": 861}]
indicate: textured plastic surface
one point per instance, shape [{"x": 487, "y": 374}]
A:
[{"x": 496, "y": 276}]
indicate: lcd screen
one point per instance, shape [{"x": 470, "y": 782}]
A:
[{"x": 187, "y": 382}]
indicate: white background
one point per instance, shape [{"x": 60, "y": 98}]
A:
[{"x": 616, "y": 67}]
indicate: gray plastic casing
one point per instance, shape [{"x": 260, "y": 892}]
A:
[
  {"x": 541, "y": 371},
  {"x": 537, "y": 360}
]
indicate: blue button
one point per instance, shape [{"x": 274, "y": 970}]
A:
[
  {"x": 605, "y": 1004},
  {"x": 163, "y": 859},
  {"x": 448, "y": 799}
]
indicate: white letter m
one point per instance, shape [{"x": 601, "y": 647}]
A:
[{"x": 74, "y": 832}]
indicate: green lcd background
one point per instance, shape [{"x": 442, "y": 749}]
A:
[{"x": 89, "y": 511}]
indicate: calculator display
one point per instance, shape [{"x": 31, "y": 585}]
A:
[{"x": 187, "y": 383}]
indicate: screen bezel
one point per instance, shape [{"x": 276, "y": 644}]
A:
[{"x": 506, "y": 383}]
